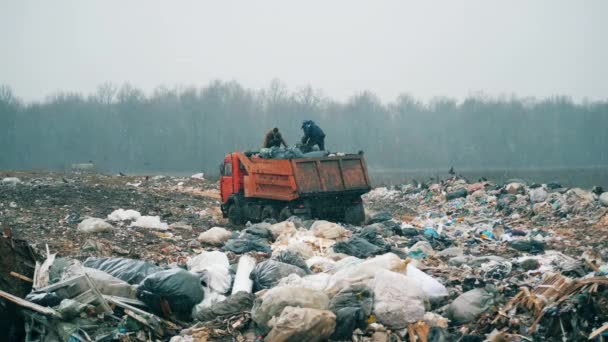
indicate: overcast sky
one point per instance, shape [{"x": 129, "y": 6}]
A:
[{"x": 425, "y": 48}]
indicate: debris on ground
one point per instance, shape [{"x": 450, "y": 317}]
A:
[{"x": 440, "y": 261}]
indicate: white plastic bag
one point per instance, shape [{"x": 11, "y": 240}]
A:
[
  {"x": 124, "y": 215},
  {"x": 432, "y": 287},
  {"x": 94, "y": 225},
  {"x": 327, "y": 230},
  {"x": 215, "y": 236},
  {"x": 217, "y": 267},
  {"x": 364, "y": 271},
  {"x": 316, "y": 282},
  {"x": 320, "y": 264},
  {"x": 150, "y": 222},
  {"x": 398, "y": 299}
]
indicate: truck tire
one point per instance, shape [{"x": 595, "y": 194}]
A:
[
  {"x": 234, "y": 215},
  {"x": 354, "y": 214},
  {"x": 285, "y": 214},
  {"x": 269, "y": 212}
]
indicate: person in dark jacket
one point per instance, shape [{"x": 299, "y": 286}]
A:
[
  {"x": 274, "y": 139},
  {"x": 313, "y": 135}
]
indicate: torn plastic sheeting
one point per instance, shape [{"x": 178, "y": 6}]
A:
[
  {"x": 104, "y": 282},
  {"x": 267, "y": 274},
  {"x": 320, "y": 264},
  {"x": 302, "y": 324},
  {"x": 130, "y": 270}
]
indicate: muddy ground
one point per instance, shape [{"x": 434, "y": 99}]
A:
[{"x": 45, "y": 209}]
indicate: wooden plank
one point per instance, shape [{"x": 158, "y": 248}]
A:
[
  {"x": 598, "y": 331},
  {"x": 102, "y": 304},
  {"x": 129, "y": 301},
  {"x": 22, "y": 277},
  {"x": 29, "y": 305}
]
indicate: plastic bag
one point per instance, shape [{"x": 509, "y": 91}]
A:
[
  {"x": 181, "y": 289},
  {"x": 94, "y": 225},
  {"x": 276, "y": 299},
  {"x": 431, "y": 287},
  {"x": 320, "y": 264},
  {"x": 283, "y": 228},
  {"x": 470, "y": 304},
  {"x": 261, "y": 230},
  {"x": 232, "y": 305},
  {"x": 215, "y": 266},
  {"x": 381, "y": 217},
  {"x": 352, "y": 307},
  {"x": 44, "y": 298},
  {"x": 372, "y": 235},
  {"x": 357, "y": 247},
  {"x": 398, "y": 299},
  {"x": 302, "y": 324},
  {"x": 215, "y": 236},
  {"x": 242, "y": 280},
  {"x": 327, "y": 230},
  {"x": 267, "y": 274},
  {"x": 124, "y": 215},
  {"x": 292, "y": 258},
  {"x": 364, "y": 271},
  {"x": 314, "y": 281},
  {"x": 105, "y": 283},
  {"x": 245, "y": 245},
  {"x": 129, "y": 270},
  {"x": 150, "y": 222}
]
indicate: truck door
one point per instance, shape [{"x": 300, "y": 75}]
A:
[{"x": 226, "y": 182}]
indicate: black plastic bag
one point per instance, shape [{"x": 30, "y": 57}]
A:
[
  {"x": 129, "y": 270},
  {"x": 292, "y": 258},
  {"x": 181, "y": 289},
  {"x": 247, "y": 244},
  {"x": 233, "y": 305},
  {"x": 352, "y": 307},
  {"x": 357, "y": 247},
  {"x": 381, "y": 217},
  {"x": 267, "y": 274},
  {"x": 457, "y": 194},
  {"x": 260, "y": 231}
]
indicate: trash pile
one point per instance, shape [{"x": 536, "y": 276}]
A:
[{"x": 435, "y": 262}]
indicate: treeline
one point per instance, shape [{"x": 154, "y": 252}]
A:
[{"x": 188, "y": 128}]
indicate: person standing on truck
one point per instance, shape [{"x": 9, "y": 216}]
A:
[
  {"x": 274, "y": 139},
  {"x": 313, "y": 135}
]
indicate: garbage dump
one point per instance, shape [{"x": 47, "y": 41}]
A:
[{"x": 446, "y": 261}]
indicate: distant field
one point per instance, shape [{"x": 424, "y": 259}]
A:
[{"x": 586, "y": 177}]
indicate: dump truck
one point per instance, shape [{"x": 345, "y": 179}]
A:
[{"x": 255, "y": 189}]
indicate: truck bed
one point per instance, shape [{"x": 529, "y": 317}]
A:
[{"x": 286, "y": 180}]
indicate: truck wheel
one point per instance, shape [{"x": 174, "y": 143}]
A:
[
  {"x": 354, "y": 214},
  {"x": 269, "y": 212},
  {"x": 234, "y": 215},
  {"x": 285, "y": 214}
]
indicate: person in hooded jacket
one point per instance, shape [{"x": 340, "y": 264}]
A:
[{"x": 313, "y": 135}]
